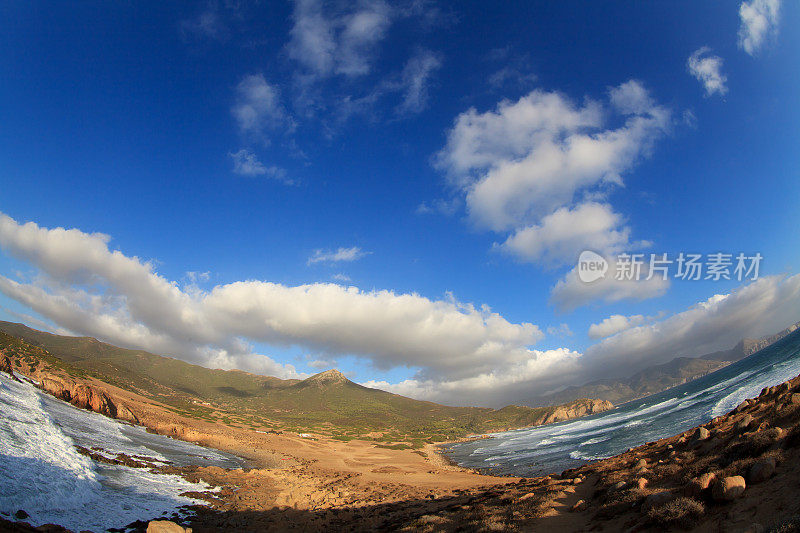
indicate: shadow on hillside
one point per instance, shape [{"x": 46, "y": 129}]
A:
[
  {"x": 233, "y": 391},
  {"x": 481, "y": 511}
]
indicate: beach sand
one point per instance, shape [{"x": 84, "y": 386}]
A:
[{"x": 313, "y": 482}]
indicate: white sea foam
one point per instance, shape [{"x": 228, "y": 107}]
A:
[
  {"x": 42, "y": 473},
  {"x": 549, "y": 448}
]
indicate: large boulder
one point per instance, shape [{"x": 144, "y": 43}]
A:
[
  {"x": 701, "y": 434},
  {"x": 744, "y": 423},
  {"x": 699, "y": 485},
  {"x": 761, "y": 470},
  {"x": 657, "y": 499},
  {"x": 165, "y": 526},
  {"x": 728, "y": 489}
]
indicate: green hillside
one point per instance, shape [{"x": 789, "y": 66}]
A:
[{"x": 327, "y": 402}]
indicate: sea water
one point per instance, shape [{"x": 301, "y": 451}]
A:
[
  {"x": 556, "y": 447},
  {"x": 42, "y": 473}
]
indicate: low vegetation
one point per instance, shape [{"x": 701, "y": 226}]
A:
[{"x": 327, "y": 403}]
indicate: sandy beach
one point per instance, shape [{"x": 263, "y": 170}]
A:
[{"x": 312, "y": 481}]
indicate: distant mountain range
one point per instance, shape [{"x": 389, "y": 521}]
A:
[
  {"x": 326, "y": 403},
  {"x": 660, "y": 377}
]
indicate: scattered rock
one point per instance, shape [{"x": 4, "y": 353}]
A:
[
  {"x": 794, "y": 399},
  {"x": 21, "y": 515},
  {"x": 657, "y": 499},
  {"x": 743, "y": 424},
  {"x": 165, "y": 526},
  {"x": 701, "y": 434},
  {"x": 761, "y": 470},
  {"x": 641, "y": 463},
  {"x": 698, "y": 485},
  {"x": 579, "y": 506},
  {"x": 641, "y": 483},
  {"x": 618, "y": 486},
  {"x": 728, "y": 489},
  {"x": 527, "y": 496}
]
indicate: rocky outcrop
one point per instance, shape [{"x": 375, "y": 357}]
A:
[
  {"x": 86, "y": 397},
  {"x": 6, "y": 367},
  {"x": 577, "y": 409},
  {"x": 323, "y": 379}
]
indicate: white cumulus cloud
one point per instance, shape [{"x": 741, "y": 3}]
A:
[
  {"x": 759, "y": 22},
  {"x": 92, "y": 290},
  {"x": 530, "y": 167},
  {"x": 762, "y": 307},
  {"x": 564, "y": 234},
  {"x": 614, "y": 324},
  {"x": 570, "y": 292}
]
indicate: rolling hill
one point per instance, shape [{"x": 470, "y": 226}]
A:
[{"x": 328, "y": 402}]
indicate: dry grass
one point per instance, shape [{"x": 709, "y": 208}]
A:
[
  {"x": 789, "y": 525},
  {"x": 681, "y": 512}
]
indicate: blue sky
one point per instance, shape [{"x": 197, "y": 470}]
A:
[{"x": 401, "y": 145}]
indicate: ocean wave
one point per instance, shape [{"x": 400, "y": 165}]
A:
[{"x": 42, "y": 473}]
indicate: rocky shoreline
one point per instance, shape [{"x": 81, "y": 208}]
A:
[{"x": 730, "y": 474}]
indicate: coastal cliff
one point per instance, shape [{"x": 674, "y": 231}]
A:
[
  {"x": 577, "y": 409},
  {"x": 86, "y": 397}
]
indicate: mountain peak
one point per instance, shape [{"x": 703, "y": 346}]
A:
[{"x": 328, "y": 377}]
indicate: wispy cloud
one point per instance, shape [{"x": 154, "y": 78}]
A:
[
  {"x": 258, "y": 109},
  {"x": 246, "y": 163},
  {"x": 336, "y": 256},
  {"x": 326, "y": 42},
  {"x": 208, "y": 24},
  {"x": 415, "y": 80},
  {"x": 707, "y": 69}
]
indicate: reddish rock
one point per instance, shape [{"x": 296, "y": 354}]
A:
[
  {"x": 579, "y": 506},
  {"x": 701, "y": 434},
  {"x": 728, "y": 489},
  {"x": 699, "y": 485},
  {"x": 165, "y": 526},
  {"x": 86, "y": 397}
]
